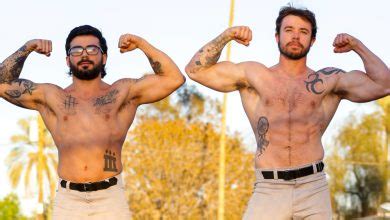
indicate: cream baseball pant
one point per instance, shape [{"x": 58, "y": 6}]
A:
[
  {"x": 306, "y": 198},
  {"x": 110, "y": 203}
]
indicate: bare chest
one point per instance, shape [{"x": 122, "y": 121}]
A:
[
  {"x": 102, "y": 116},
  {"x": 288, "y": 97}
]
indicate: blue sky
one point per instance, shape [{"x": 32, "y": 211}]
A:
[{"x": 180, "y": 28}]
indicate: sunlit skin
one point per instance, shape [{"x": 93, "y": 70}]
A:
[
  {"x": 289, "y": 105},
  {"x": 89, "y": 119}
]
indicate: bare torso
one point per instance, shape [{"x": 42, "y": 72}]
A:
[
  {"x": 88, "y": 130},
  {"x": 287, "y": 117}
]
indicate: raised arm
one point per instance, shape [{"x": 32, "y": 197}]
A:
[
  {"x": 22, "y": 92},
  {"x": 151, "y": 87},
  {"x": 358, "y": 86},
  {"x": 223, "y": 76}
]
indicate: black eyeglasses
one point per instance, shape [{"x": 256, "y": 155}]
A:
[{"x": 90, "y": 49}]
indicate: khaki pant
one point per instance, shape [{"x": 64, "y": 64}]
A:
[
  {"x": 302, "y": 198},
  {"x": 108, "y": 203}
]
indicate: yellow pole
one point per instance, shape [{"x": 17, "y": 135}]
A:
[
  {"x": 386, "y": 164},
  {"x": 40, "y": 165},
  {"x": 222, "y": 156}
]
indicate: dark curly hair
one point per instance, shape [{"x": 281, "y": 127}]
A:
[{"x": 87, "y": 30}]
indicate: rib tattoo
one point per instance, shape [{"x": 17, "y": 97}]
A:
[{"x": 262, "y": 129}]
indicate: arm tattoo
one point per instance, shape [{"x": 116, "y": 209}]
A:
[
  {"x": 210, "y": 53},
  {"x": 23, "y": 86},
  {"x": 109, "y": 161},
  {"x": 11, "y": 67},
  {"x": 314, "y": 78},
  {"x": 262, "y": 129},
  {"x": 155, "y": 65},
  {"x": 110, "y": 97}
]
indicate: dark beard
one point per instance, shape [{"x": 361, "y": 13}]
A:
[
  {"x": 86, "y": 74},
  {"x": 294, "y": 56}
]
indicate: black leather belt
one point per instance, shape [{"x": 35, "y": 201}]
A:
[
  {"x": 293, "y": 174},
  {"x": 88, "y": 187}
]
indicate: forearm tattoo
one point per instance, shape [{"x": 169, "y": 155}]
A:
[
  {"x": 11, "y": 67},
  {"x": 313, "y": 79},
  {"x": 262, "y": 129},
  {"x": 110, "y": 161},
  {"x": 209, "y": 54},
  {"x": 156, "y": 66}
]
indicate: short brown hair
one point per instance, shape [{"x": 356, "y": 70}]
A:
[{"x": 305, "y": 14}]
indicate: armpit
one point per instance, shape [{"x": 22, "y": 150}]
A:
[{"x": 241, "y": 84}]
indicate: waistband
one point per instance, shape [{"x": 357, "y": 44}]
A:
[
  {"x": 290, "y": 173},
  {"x": 92, "y": 186}
]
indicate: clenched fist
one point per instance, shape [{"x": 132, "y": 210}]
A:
[
  {"x": 241, "y": 34},
  {"x": 128, "y": 42},
  {"x": 344, "y": 43},
  {"x": 40, "y": 46}
]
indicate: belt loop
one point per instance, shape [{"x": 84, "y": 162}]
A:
[
  {"x": 275, "y": 174},
  {"x": 67, "y": 186},
  {"x": 315, "y": 168}
]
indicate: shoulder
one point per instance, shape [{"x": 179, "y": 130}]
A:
[
  {"x": 52, "y": 87},
  {"x": 253, "y": 68},
  {"x": 252, "y": 65},
  {"x": 328, "y": 71},
  {"x": 253, "y": 71},
  {"x": 124, "y": 83}
]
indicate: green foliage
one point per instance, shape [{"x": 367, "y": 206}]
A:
[
  {"x": 358, "y": 164},
  {"x": 9, "y": 208}
]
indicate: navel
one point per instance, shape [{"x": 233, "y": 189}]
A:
[
  {"x": 313, "y": 104},
  {"x": 65, "y": 118},
  {"x": 107, "y": 116}
]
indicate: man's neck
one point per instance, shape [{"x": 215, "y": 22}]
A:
[
  {"x": 87, "y": 88},
  {"x": 292, "y": 67}
]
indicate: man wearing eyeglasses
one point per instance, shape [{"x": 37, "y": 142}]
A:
[{"x": 89, "y": 119}]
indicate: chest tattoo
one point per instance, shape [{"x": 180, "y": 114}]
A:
[
  {"x": 70, "y": 104},
  {"x": 102, "y": 103},
  {"x": 313, "y": 79}
]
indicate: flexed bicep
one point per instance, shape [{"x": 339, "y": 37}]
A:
[
  {"x": 151, "y": 88},
  {"x": 22, "y": 92},
  {"x": 356, "y": 86},
  {"x": 223, "y": 76}
]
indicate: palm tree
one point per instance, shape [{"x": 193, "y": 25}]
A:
[{"x": 29, "y": 155}]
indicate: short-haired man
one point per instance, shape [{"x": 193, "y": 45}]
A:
[
  {"x": 89, "y": 119},
  {"x": 289, "y": 107}
]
